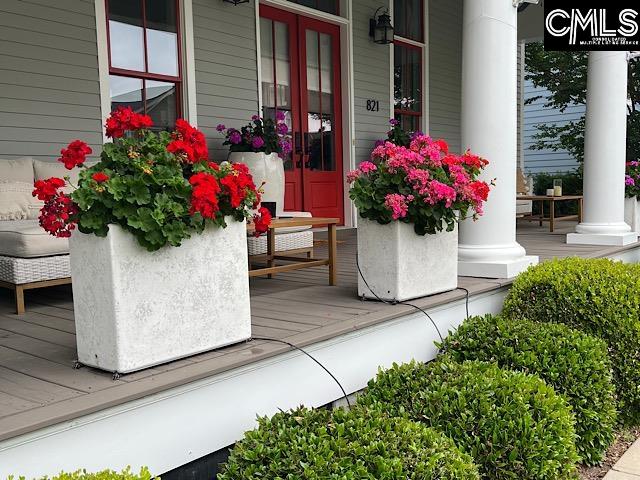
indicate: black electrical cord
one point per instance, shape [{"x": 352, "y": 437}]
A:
[
  {"x": 466, "y": 299},
  {"x": 267, "y": 339},
  {"x": 395, "y": 302}
]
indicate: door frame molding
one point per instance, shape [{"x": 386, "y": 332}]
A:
[{"x": 347, "y": 87}]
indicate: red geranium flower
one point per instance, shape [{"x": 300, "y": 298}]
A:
[
  {"x": 204, "y": 197},
  {"x": 123, "y": 119},
  {"x": 45, "y": 190},
  {"x": 189, "y": 142},
  {"x": 75, "y": 154},
  {"x": 480, "y": 190},
  {"x": 474, "y": 160},
  {"x": 58, "y": 215},
  {"x": 261, "y": 221},
  {"x": 442, "y": 145},
  {"x": 100, "y": 177}
]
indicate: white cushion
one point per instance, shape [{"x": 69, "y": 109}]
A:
[
  {"x": 25, "y": 238},
  {"x": 18, "y": 170},
  {"x": 17, "y": 202}
]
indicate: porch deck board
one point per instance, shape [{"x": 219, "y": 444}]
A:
[{"x": 39, "y": 387}]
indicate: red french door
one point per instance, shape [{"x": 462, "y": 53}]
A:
[{"x": 300, "y": 65}]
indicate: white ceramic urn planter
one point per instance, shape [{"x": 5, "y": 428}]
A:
[
  {"x": 135, "y": 309},
  {"x": 632, "y": 213},
  {"x": 399, "y": 265},
  {"x": 268, "y": 169}
]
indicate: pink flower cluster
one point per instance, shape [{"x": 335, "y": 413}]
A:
[
  {"x": 398, "y": 204},
  {"x": 364, "y": 167}
]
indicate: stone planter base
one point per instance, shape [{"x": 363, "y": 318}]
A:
[
  {"x": 135, "y": 309},
  {"x": 399, "y": 265}
]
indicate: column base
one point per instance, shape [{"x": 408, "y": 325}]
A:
[
  {"x": 612, "y": 239},
  {"x": 496, "y": 268}
]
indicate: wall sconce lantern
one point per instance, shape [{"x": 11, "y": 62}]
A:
[
  {"x": 380, "y": 28},
  {"x": 235, "y": 2}
]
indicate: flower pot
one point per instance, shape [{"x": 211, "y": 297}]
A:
[
  {"x": 135, "y": 309},
  {"x": 268, "y": 169},
  {"x": 399, "y": 265},
  {"x": 632, "y": 213}
]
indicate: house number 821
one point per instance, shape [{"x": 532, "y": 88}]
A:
[{"x": 373, "y": 105}]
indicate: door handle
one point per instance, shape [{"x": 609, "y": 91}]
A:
[{"x": 307, "y": 146}]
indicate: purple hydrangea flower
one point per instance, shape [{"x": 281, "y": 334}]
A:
[
  {"x": 235, "y": 137},
  {"x": 257, "y": 142},
  {"x": 255, "y": 117},
  {"x": 393, "y": 122},
  {"x": 378, "y": 143},
  {"x": 629, "y": 180},
  {"x": 220, "y": 127},
  {"x": 280, "y": 115},
  {"x": 285, "y": 146},
  {"x": 282, "y": 129}
]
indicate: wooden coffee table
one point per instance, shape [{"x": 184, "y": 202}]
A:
[
  {"x": 552, "y": 208},
  {"x": 296, "y": 263}
]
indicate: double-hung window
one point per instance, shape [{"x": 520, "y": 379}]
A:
[
  {"x": 144, "y": 58},
  {"x": 408, "y": 54}
]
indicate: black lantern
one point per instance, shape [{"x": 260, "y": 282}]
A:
[
  {"x": 380, "y": 28},
  {"x": 235, "y": 2}
]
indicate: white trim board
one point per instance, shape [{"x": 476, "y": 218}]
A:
[{"x": 174, "y": 427}]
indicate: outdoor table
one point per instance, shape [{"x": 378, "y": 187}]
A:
[
  {"x": 552, "y": 218},
  {"x": 296, "y": 263}
]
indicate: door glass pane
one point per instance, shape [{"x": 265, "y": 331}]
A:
[
  {"x": 320, "y": 144},
  {"x": 161, "y": 103},
  {"x": 408, "y": 19},
  {"x": 276, "y": 73},
  {"x": 329, "y": 6},
  {"x": 409, "y": 123},
  {"x": 125, "y": 34},
  {"x": 126, "y": 91},
  {"x": 407, "y": 75},
  {"x": 162, "y": 37}
]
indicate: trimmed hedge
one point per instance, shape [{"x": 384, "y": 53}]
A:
[
  {"x": 341, "y": 444},
  {"x": 575, "y": 364},
  {"x": 598, "y": 296},
  {"x": 513, "y": 424},
  {"x": 125, "y": 474}
]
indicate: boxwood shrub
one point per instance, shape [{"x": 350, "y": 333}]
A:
[
  {"x": 341, "y": 444},
  {"x": 125, "y": 474},
  {"x": 598, "y": 296},
  {"x": 513, "y": 424},
  {"x": 573, "y": 363}
]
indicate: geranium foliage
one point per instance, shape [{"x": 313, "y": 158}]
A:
[
  {"x": 423, "y": 184},
  {"x": 158, "y": 186}
]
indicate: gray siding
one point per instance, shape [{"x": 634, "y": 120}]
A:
[
  {"x": 226, "y": 67},
  {"x": 535, "y": 113},
  {"x": 48, "y": 77},
  {"x": 371, "y": 80},
  {"x": 445, "y": 70}
]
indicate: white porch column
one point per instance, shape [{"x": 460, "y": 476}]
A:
[
  {"x": 605, "y": 153},
  {"x": 488, "y": 247}
]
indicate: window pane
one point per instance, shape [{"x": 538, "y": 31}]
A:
[
  {"x": 161, "y": 103},
  {"x": 126, "y": 91},
  {"x": 409, "y": 123},
  {"x": 162, "y": 37},
  {"x": 407, "y": 78},
  {"x": 408, "y": 18},
  {"x": 125, "y": 34},
  {"x": 329, "y": 6}
]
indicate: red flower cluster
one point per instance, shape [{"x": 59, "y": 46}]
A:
[
  {"x": 123, "y": 119},
  {"x": 188, "y": 143},
  {"x": 261, "y": 221},
  {"x": 100, "y": 177},
  {"x": 204, "y": 197},
  {"x": 480, "y": 190},
  {"x": 57, "y": 215},
  {"x": 474, "y": 160},
  {"x": 238, "y": 185},
  {"x": 45, "y": 190},
  {"x": 75, "y": 154}
]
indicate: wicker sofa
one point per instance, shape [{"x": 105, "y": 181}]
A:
[{"x": 29, "y": 257}]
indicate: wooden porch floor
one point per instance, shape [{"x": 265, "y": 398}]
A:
[{"x": 39, "y": 387}]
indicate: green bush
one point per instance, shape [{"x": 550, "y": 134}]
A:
[
  {"x": 125, "y": 474},
  {"x": 513, "y": 424},
  {"x": 598, "y": 296},
  {"x": 575, "y": 364},
  {"x": 323, "y": 444}
]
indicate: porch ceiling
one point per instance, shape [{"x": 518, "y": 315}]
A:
[{"x": 531, "y": 22}]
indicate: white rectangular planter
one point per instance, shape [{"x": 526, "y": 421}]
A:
[
  {"x": 399, "y": 265},
  {"x": 135, "y": 309},
  {"x": 632, "y": 213}
]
